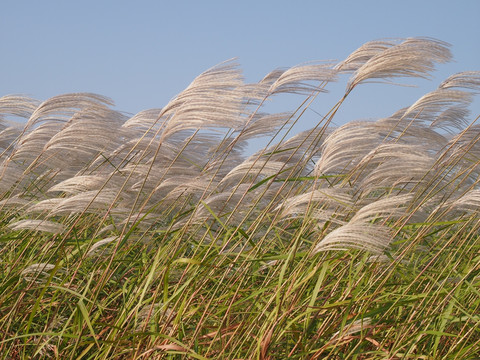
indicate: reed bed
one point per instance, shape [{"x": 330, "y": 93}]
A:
[{"x": 155, "y": 236}]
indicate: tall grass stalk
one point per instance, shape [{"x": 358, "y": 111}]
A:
[{"x": 157, "y": 236}]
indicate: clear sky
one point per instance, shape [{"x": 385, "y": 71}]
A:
[{"x": 142, "y": 53}]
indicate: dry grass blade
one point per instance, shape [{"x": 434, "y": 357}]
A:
[
  {"x": 60, "y": 108},
  {"x": 466, "y": 80},
  {"x": 356, "y": 235},
  {"x": 95, "y": 249},
  {"x": 38, "y": 225},
  {"x": 344, "y": 148},
  {"x": 333, "y": 198},
  {"x": 18, "y": 105},
  {"x": 364, "y": 53},
  {"x": 296, "y": 79},
  {"x": 469, "y": 203},
  {"x": 413, "y": 57}
]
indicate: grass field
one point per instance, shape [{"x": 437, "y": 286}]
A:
[{"x": 157, "y": 237}]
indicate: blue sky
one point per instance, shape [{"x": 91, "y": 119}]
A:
[{"x": 142, "y": 53}]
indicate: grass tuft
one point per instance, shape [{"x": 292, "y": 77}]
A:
[{"x": 157, "y": 237}]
